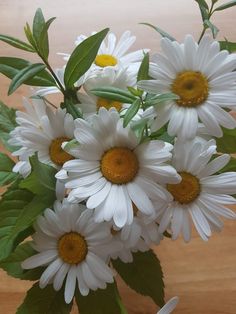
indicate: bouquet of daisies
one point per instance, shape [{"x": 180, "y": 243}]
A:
[{"x": 138, "y": 150}]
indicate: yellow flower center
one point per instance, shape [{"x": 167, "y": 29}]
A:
[
  {"x": 192, "y": 88},
  {"x": 105, "y": 60},
  {"x": 187, "y": 190},
  {"x": 72, "y": 248},
  {"x": 119, "y": 165},
  {"x": 57, "y": 154},
  {"x": 102, "y": 102}
]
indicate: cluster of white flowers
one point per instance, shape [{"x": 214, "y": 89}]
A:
[{"x": 118, "y": 194}]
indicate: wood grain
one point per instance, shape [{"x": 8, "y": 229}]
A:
[{"x": 202, "y": 274}]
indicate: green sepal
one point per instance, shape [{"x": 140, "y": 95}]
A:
[
  {"x": 160, "y": 31},
  {"x": 144, "y": 275},
  {"x": 131, "y": 112},
  {"x": 114, "y": 93},
  {"x": 26, "y": 74},
  {"x": 82, "y": 58},
  {"x": 6, "y": 174},
  {"x": 226, "y": 5},
  {"x": 12, "y": 264},
  {"x": 44, "y": 301},
  {"x": 101, "y": 301},
  {"x": 17, "y": 43}
]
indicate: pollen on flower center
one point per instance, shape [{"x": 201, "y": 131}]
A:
[
  {"x": 72, "y": 248},
  {"x": 119, "y": 165},
  {"x": 57, "y": 154},
  {"x": 187, "y": 190},
  {"x": 105, "y": 60},
  {"x": 192, "y": 88},
  {"x": 102, "y": 102}
]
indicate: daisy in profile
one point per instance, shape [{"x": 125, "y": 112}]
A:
[
  {"x": 203, "y": 78},
  {"x": 67, "y": 240},
  {"x": 90, "y": 103},
  {"x": 202, "y": 194},
  {"x": 42, "y": 130},
  {"x": 169, "y": 306},
  {"x": 111, "y": 170}
]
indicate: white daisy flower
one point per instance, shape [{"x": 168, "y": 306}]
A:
[
  {"x": 203, "y": 78},
  {"x": 169, "y": 306},
  {"x": 201, "y": 193},
  {"x": 111, "y": 169},
  {"x": 90, "y": 103},
  {"x": 42, "y": 130},
  {"x": 67, "y": 240}
]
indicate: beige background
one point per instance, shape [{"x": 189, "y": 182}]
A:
[{"x": 202, "y": 274}]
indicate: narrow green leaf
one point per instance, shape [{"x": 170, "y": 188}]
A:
[
  {"x": 144, "y": 68},
  {"x": 82, "y": 57},
  {"x": 72, "y": 108},
  {"x": 10, "y": 67},
  {"x": 7, "y": 124},
  {"x": 44, "y": 301},
  {"x": 17, "y": 43},
  {"x": 146, "y": 280},
  {"x": 212, "y": 27},
  {"x": 24, "y": 75},
  {"x": 160, "y": 31},
  {"x": 135, "y": 92},
  {"x": 203, "y": 3},
  {"x": 6, "y": 174},
  {"x": 43, "y": 40},
  {"x": 12, "y": 264},
  {"x": 160, "y": 99},
  {"x": 139, "y": 127},
  {"x": 29, "y": 36},
  {"x": 114, "y": 93},
  {"x": 227, "y": 45},
  {"x": 204, "y": 9},
  {"x": 227, "y": 143},
  {"x": 131, "y": 112},
  {"x": 38, "y": 25},
  {"x": 101, "y": 301},
  {"x": 226, "y": 5}
]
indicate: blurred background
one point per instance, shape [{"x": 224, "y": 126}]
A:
[{"x": 202, "y": 274}]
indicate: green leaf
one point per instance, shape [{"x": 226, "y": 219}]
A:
[
  {"x": 17, "y": 43},
  {"x": 146, "y": 280},
  {"x": 160, "y": 31},
  {"x": 226, "y": 5},
  {"x": 139, "y": 127},
  {"x": 144, "y": 68},
  {"x": 24, "y": 75},
  {"x": 29, "y": 36},
  {"x": 160, "y": 98},
  {"x": 82, "y": 57},
  {"x": 101, "y": 301},
  {"x": 12, "y": 264},
  {"x": 227, "y": 143},
  {"x": 6, "y": 174},
  {"x": 44, "y": 301},
  {"x": 43, "y": 43},
  {"x": 227, "y": 45},
  {"x": 41, "y": 179},
  {"x": 203, "y": 4},
  {"x": 38, "y": 25},
  {"x": 204, "y": 9},
  {"x": 131, "y": 112},
  {"x": 115, "y": 94},
  {"x": 72, "y": 108},
  {"x": 212, "y": 27},
  {"x": 7, "y": 124},
  {"x": 10, "y": 67},
  {"x": 135, "y": 92}
]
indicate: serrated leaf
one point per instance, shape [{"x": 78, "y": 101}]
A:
[
  {"x": 10, "y": 67},
  {"x": 144, "y": 68},
  {"x": 160, "y": 31},
  {"x": 131, "y": 112},
  {"x": 82, "y": 57},
  {"x": 212, "y": 27},
  {"x": 43, "y": 43},
  {"x": 24, "y": 75},
  {"x": 101, "y": 301},
  {"x": 17, "y": 43},
  {"x": 12, "y": 264},
  {"x": 160, "y": 99},
  {"x": 146, "y": 280},
  {"x": 6, "y": 174},
  {"x": 227, "y": 45},
  {"x": 227, "y": 143},
  {"x": 226, "y": 5},
  {"x": 7, "y": 124},
  {"x": 44, "y": 301},
  {"x": 113, "y": 93}
]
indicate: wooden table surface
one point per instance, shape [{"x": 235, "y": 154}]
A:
[{"x": 202, "y": 274}]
